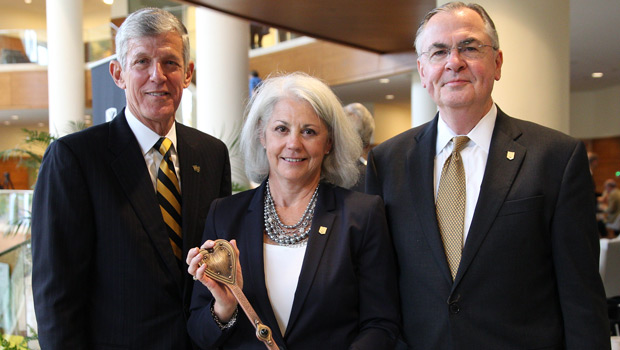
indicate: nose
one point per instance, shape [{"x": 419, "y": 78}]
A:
[
  {"x": 293, "y": 141},
  {"x": 157, "y": 72},
  {"x": 455, "y": 62}
]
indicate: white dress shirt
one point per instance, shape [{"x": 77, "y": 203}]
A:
[
  {"x": 147, "y": 138},
  {"x": 474, "y": 157}
]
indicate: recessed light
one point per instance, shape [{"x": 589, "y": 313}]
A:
[
  {"x": 41, "y": 125},
  {"x": 6, "y": 122},
  {"x": 108, "y": 2},
  {"x": 597, "y": 75},
  {"x": 384, "y": 80},
  {"x": 15, "y": 117},
  {"x": 389, "y": 97},
  {"x": 28, "y": 1}
]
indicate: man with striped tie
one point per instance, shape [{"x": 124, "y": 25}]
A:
[{"x": 118, "y": 205}]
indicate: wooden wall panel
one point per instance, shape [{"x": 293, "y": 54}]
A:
[
  {"x": 19, "y": 175},
  {"x": 335, "y": 64},
  {"x": 29, "y": 89},
  {"x": 608, "y": 151}
]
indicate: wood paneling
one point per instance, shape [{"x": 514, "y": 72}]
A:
[
  {"x": 335, "y": 64},
  {"x": 28, "y": 89},
  {"x": 608, "y": 151},
  {"x": 19, "y": 175}
]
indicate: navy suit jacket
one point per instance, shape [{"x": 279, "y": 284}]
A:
[
  {"x": 104, "y": 275},
  {"x": 528, "y": 278},
  {"x": 346, "y": 296}
]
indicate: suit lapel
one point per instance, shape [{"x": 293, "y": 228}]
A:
[
  {"x": 254, "y": 267},
  {"x": 420, "y": 162},
  {"x": 133, "y": 176},
  {"x": 323, "y": 217},
  {"x": 499, "y": 176},
  {"x": 190, "y": 169}
]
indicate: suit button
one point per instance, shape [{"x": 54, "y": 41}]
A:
[{"x": 454, "y": 308}]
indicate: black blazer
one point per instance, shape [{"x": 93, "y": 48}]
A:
[
  {"x": 346, "y": 296},
  {"x": 104, "y": 275},
  {"x": 528, "y": 277}
]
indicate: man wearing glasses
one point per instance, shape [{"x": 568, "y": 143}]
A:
[{"x": 492, "y": 217}]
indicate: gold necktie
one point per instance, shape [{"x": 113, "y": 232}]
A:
[
  {"x": 450, "y": 204},
  {"x": 169, "y": 196}
]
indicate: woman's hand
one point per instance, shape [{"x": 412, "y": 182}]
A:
[{"x": 225, "y": 302}]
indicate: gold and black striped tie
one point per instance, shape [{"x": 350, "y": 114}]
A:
[{"x": 169, "y": 196}]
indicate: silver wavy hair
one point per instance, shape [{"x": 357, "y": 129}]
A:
[
  {"x": 339, "y": 166},
  {"x": 489, "y": 26},
  {"x": 149, "y": 22},
  {"x": 362, "y": 120}
]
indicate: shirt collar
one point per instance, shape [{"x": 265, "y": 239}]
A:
[
  {"x": 147, "y": 137},
  {"x": 481, "y": 134}
]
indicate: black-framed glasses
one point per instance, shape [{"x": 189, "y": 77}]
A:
[{"x": 471, "y": 50}]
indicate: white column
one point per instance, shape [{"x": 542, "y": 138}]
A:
[
  {"x": 222, "y": 61},
  {"x": 65, "y": 72},
  {"x": 423, "y": 108},
  {"x": 535, "y": 39}
]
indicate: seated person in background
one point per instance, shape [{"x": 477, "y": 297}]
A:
[
  {"x": 365, "y": 125},
  {"x": 317, "y": 260}
]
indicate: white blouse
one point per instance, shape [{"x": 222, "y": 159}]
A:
[{"x": 282, "y": 269}]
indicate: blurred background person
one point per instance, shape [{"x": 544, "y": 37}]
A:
[
  {"x": 364, "y": 124},
  {"x": 610, "y": 204},
  {"x": 254, "y": 82},
  {"x": 317, "y": 258}
]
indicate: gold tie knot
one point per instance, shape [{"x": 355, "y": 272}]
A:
[
  {"x": 163, "y": 145},
  {"x": 459, "y": 143}
]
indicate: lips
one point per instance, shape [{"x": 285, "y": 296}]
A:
[
  {"x": 293, "y": 160},
  {"x": 157, "y": 94}
]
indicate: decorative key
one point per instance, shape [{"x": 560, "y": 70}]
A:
[{"x": 221, "y": 261}]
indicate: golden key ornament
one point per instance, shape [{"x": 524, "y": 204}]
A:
[{"x": 221, "y": 261}]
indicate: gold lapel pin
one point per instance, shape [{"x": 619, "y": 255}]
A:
[
  {"x": 510, "y": 155},
  {"x": 322, "y": 230},
  {"x": 196, "y": 168}
]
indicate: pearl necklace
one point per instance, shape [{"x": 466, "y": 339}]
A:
[{"x": 287, "y": 234}]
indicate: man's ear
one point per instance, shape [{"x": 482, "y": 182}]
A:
[
  {"x": 116, "y": 72},
  {"x": 188, "y": 74},
  {"x": 421, "y": 72}
]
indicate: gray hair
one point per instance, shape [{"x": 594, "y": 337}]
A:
[
  {"x": 148, "y": 22},
  {"x": 339, "y": 166},
  {"x": 362, "y": 120},
  {"x": 489, "y": 26}
]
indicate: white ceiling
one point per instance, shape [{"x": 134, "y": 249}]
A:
[{"x": 595, "y": 47}]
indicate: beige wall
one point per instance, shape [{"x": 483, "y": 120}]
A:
[
  {"x": 595, "y": 114},
  {"x": 13, "y": 136},
  {"x": 391, "y": 120}
]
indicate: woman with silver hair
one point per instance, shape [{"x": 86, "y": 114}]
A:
[{"x": 317, "y": 258}]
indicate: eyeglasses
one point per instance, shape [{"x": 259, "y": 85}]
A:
[{"x": 468, "y": 50}]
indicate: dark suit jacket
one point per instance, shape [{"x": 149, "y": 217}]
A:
[
  {"x": 528, "y": 277},
  {"x": 104, "y": 275},
  {"x": 346, "y": 295}
]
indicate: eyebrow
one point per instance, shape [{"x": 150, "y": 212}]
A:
[{"x": 466, "y": 41}]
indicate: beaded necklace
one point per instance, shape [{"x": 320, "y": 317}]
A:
[{"x": 287, "y": 234}]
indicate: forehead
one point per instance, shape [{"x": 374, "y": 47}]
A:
[
  {"x": 452, "y": 27},
  {"x": 293, "y": 109},
  {"x": 167, "y": 43}
]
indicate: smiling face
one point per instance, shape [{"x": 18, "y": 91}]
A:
[
  {"x": 153, "y": 79},
  {"x": 296, "y": 141},
  {"x": 458, "y": 82}
]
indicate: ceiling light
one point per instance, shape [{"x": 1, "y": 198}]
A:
[
  {"x": 597, "y": 75},
  {"x": 6, "y": 122},
  {"x": 108, "y": 2},
  {"x": 389, "y": 97},
  {"x": 41, "y": 125},
  {"x": 28, "y": 1},
  {"x": 15, "y": 117},
  {"x": 384, "y": 80}
]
